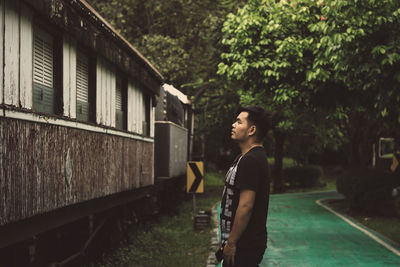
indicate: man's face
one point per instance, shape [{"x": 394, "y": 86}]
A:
[{"x": 241, "y": 127}]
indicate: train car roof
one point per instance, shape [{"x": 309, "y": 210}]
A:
[
  {"x": 118, "y": 35},
  {"x": 173, "y": 91}
]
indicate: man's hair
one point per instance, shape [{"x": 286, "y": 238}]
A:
[{"x": 260, "y": 118}]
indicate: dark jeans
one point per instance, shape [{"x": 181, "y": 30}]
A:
[{"x": 247, "y": 257}]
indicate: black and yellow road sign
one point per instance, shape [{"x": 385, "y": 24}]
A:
[{"x": 195, "y": 177}]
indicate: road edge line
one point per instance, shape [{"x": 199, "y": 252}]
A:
[{"x": 365, "y": 231}]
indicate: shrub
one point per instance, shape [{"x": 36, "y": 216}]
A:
[
  {"x": 305, "y": 176},
  {"x": 367, "y": 189}
]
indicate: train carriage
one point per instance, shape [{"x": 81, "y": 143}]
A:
[{"x": 77, "y": 112}]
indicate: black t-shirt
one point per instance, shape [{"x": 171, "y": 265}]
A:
[{"x": 249, "y": 172}]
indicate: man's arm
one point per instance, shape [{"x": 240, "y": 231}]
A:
[{"x": 242, "y": 218}]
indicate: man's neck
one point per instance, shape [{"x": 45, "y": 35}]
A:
[{"x": 246, "y": 146}]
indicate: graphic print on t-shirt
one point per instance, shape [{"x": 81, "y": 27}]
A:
[{"x": 227, "y": 202}]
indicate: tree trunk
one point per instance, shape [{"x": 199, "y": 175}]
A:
[{"x": 278, "y": 168}]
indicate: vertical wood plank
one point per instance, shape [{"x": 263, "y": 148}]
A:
[
  {"x": 129, "y": 107},
  {"x": 66, "y": 76},
  {"x": 135, "y": 108},
  {"x": 72, "y": 71},
  {"x": 26, "y": 59},
  {"x": 132, "y": 108},
  {"x": 140, "y": 112},
  {"x": 98, "y": 90},
  {"x": 132, "y": 101},
  {"x": 112, "y": 96},
  {"x": 136, "y": 111},
  {"x": 3, "y": 209},
  {"x": 107, "y": 96},
  {"x": 152, "y": 161},
  {"x": 11, "y": 47},
  {"x": 152, "y": 118},
  {"x": 1, "y": 51},
  {"x": 103, "y": 92}
]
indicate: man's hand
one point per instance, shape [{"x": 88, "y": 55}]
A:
[{"x": 229, "y": 253}]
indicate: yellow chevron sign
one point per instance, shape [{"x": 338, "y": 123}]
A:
[{"x": 195, "y": 177}]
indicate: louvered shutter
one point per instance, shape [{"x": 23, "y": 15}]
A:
[
  {"x": 82, "y": 87},
  {"x": 119, "y": 113},
  {"x": 43, "y": 72}
]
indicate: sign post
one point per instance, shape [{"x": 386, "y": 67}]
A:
[{"x": 195, "y": 180}]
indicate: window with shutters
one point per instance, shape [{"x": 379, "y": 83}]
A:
[
  {"x": 82, "y": 87},
  {"x": 43, "y": 72},
  {"x": 120, "y": 103}
]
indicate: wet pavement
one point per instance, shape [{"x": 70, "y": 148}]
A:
[{"x": 302, "y": 231}]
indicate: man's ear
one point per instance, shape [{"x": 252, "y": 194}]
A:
[{"x": 252, "y": 130}]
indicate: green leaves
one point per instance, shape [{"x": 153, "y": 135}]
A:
[
  {"x": 299, "y": 45},
  {"x": 337, "y": 60}
]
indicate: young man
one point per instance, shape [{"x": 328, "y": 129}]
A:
[{"x": 245, "y": 197}]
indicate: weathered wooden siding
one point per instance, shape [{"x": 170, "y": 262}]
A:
[
  {"x": 105, "y": 93},
  {"x": 16, "y": 42},
  {"x": 1, "y": 50},
  {"x": 48, "y": 162},
  {"x": 152, "y": 118},
  {"x": 26, "y": 58},
  {"x": 69, "y": 76},
  {"x": 11, "y": 52},
  {"x": 136, "y": 109},
  {"x": 44, "y": 167}
]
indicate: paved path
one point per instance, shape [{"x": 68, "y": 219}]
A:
[{"x": 304, "y": 233}]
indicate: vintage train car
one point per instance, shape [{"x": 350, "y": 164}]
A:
[
  {"x": 173, "y": 133},
  {"x": 77, "y": 111},
  {"x": 174, "y": 129}
]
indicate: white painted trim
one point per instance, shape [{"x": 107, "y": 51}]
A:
[
  {"x": 98, "y": 92},
  {"x": 66, "y": 76},
  {"x": 11, "y": 53},
  {"x": 112, "y": 99},
  {"x": 26, "y": 57},
  {"x": 33, "y": 117},
  {"x": 72, "y": 75},
  {"x": 365, "y": 231}
]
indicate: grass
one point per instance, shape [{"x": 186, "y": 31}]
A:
[
  {"x": 171, "y": 240},
  {"x": 287, "y": 162},
  {"x": 388, "y": 226}
]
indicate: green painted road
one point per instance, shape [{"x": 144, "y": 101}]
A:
[{"x": 302, "y": 232}]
